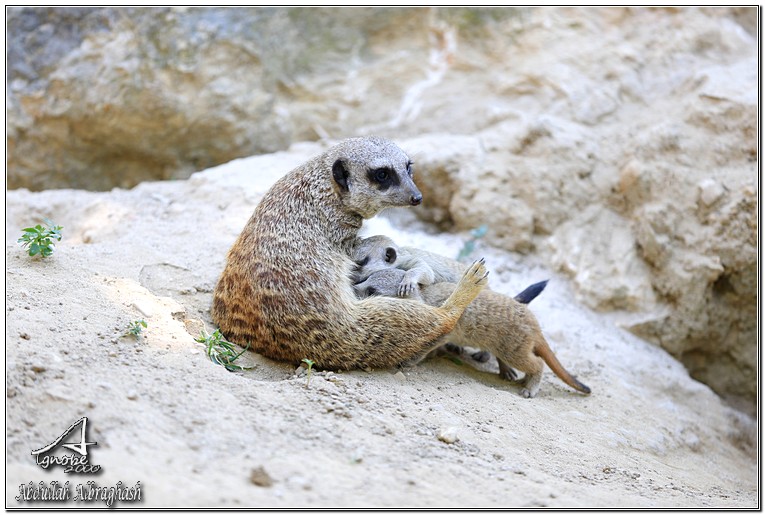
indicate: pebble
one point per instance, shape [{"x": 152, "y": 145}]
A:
[
  {"x": 334, "y": 378},
  {"x": 132, "y": 395},
  {"x": 260, "y": 477},
  {"x": 400, "y": 376},
  {"x": 710, "y": 191},
  {"x": 194, "y": 326},
  {"x": 448, "y": 434}
]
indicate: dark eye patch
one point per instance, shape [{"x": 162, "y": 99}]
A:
[{"x": 384, "y": 178}]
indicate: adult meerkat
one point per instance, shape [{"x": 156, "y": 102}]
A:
[
  {"x": 493, "y": 322},
  {"x": 286, "y": 287}
]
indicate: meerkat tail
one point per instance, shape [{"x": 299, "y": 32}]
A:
[
  {"x": 531, "y": 293},
  {"x": 543, "y": 350}
]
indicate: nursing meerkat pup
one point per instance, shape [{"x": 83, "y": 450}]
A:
[
  {"x": 286, "y": 287},
  {"x": 493, "y": 322},
  {"x": 380, "y": 252},
  {"x": 377, "y": 253}
]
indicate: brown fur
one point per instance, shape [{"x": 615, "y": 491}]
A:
[{"x": 286, "y": 289}]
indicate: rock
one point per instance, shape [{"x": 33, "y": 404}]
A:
[
  {"x": 607, "y": 270},
  {"x": 710, "y": 192},
  {"x": 194, "y": 326},
  {"x": 260, "y": 477},
  {"x": 399, "y": 376},
  {"x": 645, "y": 224},
  {"x": 87, "y": 104},
  {"x": 448, "y": 435}
]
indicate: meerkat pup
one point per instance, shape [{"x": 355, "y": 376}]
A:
[
  {"x": 422, "y": 268},
  {"x": 493, "y": 322},
  {"x": 377, "y": 253},
  {"x": 286, "y": 287}
]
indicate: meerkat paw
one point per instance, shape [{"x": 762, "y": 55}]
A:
[
  {"x": 477, "y": 272},
  {"x": 531, "y": 383},
  {"x": 505, "y": 372},
  {"x": 470, "y": 285},
  {"x": 453, "y": 348},
  {"x": 406, "y": 288},
  {"x": 481, "y": 356}
]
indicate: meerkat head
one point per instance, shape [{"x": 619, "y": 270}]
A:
[
  {"x": 373, "y": 254},
  {"x": 382, "y": 282},
  {"x": 371, "y": 174}
]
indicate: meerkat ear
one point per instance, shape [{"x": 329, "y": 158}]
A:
[
  {"x": 390, "y": 255},
  {"x": 340, "y": 174}
]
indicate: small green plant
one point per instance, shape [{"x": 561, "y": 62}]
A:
[
  {"x": 39, "y": 239},
  {"x": 222, "y": 352},
  {"x": 135, "y": 328},
  {"x": 469, "y": 246},
  {"x": 310, "y": 364}
]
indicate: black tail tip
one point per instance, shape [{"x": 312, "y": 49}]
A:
[
  {"x": 584, "y": 388},
  {"x": 531, "y": 292}
]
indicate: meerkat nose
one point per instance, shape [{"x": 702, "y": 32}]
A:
[{"x": 415, "y": 199}]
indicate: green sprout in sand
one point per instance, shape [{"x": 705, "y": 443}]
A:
[
  {"x": 222, "y": 352},
  {"x": 310, "y": 364},
  {"x": 39, "y": 239}
]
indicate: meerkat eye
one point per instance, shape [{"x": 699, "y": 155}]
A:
[
  {"x": 409, "y": 168},
  {"x": 371, "y": 291},
  {"x": 390, "y": 255},
  {"x": 384, "y": 178}
]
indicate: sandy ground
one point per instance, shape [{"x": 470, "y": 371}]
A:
[{"x": 192, "y": 433}]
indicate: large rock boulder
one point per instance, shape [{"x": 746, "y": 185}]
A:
[
  {"x": 631, "y": 169},
  {"x": 103, "y": 97}
]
